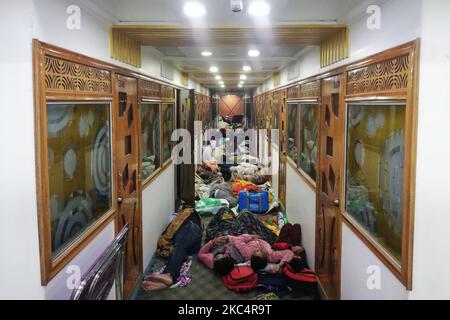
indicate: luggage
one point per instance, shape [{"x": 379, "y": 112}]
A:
[
  {"x": 241, "y": 279},
  {"x": 255, "y": 202},
  {"x": 306, "y": 279}
]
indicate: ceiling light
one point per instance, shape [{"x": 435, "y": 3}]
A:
[
  {"x": 221, "y": 82},
  {"x": 253, "y": 53},
  {"x": 259, "y": 8},
  {"x": 242, "y": 82},
  {"x": 218, "y": 77},
  {"x": 247, "y": 68},
  {"x": 207, "y": 53},
  {"x": 214, "y": 69},
  {"x": 240, "y": 85},
  {"x": 194, "y": 9},
  {"x": 222, "y": 85},
  {"x": 243, "y": 77}
]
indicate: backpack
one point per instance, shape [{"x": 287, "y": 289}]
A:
[
  {"x": 241, "y": 279},
  {"x": 304, "y": 279}
]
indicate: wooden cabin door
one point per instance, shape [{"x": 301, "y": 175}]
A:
[
  {"x": 330, "y": 186},
  {"x": 185, "y": 173},
  {"x": 282, "y": 127},
  {"x": 129, "y": 182}
]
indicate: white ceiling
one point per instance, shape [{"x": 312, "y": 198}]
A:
[
  {"x": 229, "y": 59},
  {"x": 219, "y": 12}
]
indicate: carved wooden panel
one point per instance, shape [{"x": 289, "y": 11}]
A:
[
  {"x": 387, "y": 76},
  {"x": 149, "y": 89},
  {"x": 66, "y": 76},
  {"x": 167, "y": 92},
  {"x": 309, "y": 90},
  {"x": 293, "y": 92}
]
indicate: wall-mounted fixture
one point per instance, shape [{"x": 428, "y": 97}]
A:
[{"x": 236, "y": 5}]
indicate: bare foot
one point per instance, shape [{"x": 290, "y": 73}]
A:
[
  {"x": 163, "y": 278},
  {"x": 153, "y": 286}
]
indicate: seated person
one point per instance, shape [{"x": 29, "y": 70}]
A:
[
  {"x": 209, "y": 159},
  {"x": 250, "y": 248},
  {"x": 186, "y": 242}
]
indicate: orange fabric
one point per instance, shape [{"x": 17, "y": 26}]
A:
[{"x": 244, "y": 186}]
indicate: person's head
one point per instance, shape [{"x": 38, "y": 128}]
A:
[
  {"x": 258, "y": 260},
  {"x": 223, "y": 264},
  {"x": 297, "y": 264},
  {"x": 213, "y": 142}
]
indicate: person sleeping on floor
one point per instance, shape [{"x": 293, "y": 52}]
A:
[
  {"x": 234, "y": 250},
  {"x": 181, "y": 239}
]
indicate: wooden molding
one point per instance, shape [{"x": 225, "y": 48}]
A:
[{"x": 335, "y": 48}]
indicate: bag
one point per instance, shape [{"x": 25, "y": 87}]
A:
[
  {"x": 306, "y": 279},
  {"x": 255, "y": 202},
  {"x": 241, "y": 279}
]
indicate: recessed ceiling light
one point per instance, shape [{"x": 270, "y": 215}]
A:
[
  {"x": 218, "y": 77},
  {"x": 221, "y": 82},
  {"x": 242, "y": 82},
  {"x": 240, "y": 85},
  {"x": 247, "y": 68},
  {"x": 194, "y": 9},
  {"x": 259, "y": 8},
  {"x": 207, "y": 53},
  {"x": 253, "y": 53},
  {"x": 243, "y": 77},
  {"x": 214, "y": 69},
  {"x": 222, "y": 85}
]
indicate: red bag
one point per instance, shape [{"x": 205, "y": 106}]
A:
[
  {"x": 241, "y": 279},
  {"x": 306, "y": 277}
]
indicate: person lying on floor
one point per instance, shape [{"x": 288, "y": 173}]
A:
[
  {"x": 252, "y": 248},
  {"x": 186, "y": 241}
]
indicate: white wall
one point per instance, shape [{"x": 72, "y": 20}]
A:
[
  {"x": 301, "y": 208},
  {"x": 431, "y": 259},
  {"x": 57, "y": 288},
  {"x": 19, "y": 246},
  {"x": 357, "y": 261},
  {"x": 158, "y": 202}
]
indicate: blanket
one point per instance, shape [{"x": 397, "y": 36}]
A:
[{"x": 243, "y": 223}]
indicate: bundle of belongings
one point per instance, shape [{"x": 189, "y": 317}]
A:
[
  {"x": 214, "y": 198},
  {"x": 226, "y": 223},
  {"x": 248, "y": 172}
]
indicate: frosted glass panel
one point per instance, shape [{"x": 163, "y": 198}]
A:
[
  {"x": 309, "y": 115},
  {"x": 150, "y": 139},
  {"x": 79, "y": 164},
  {"x": 168, "y": 127},
  {"x": 374, "y": 185}
]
